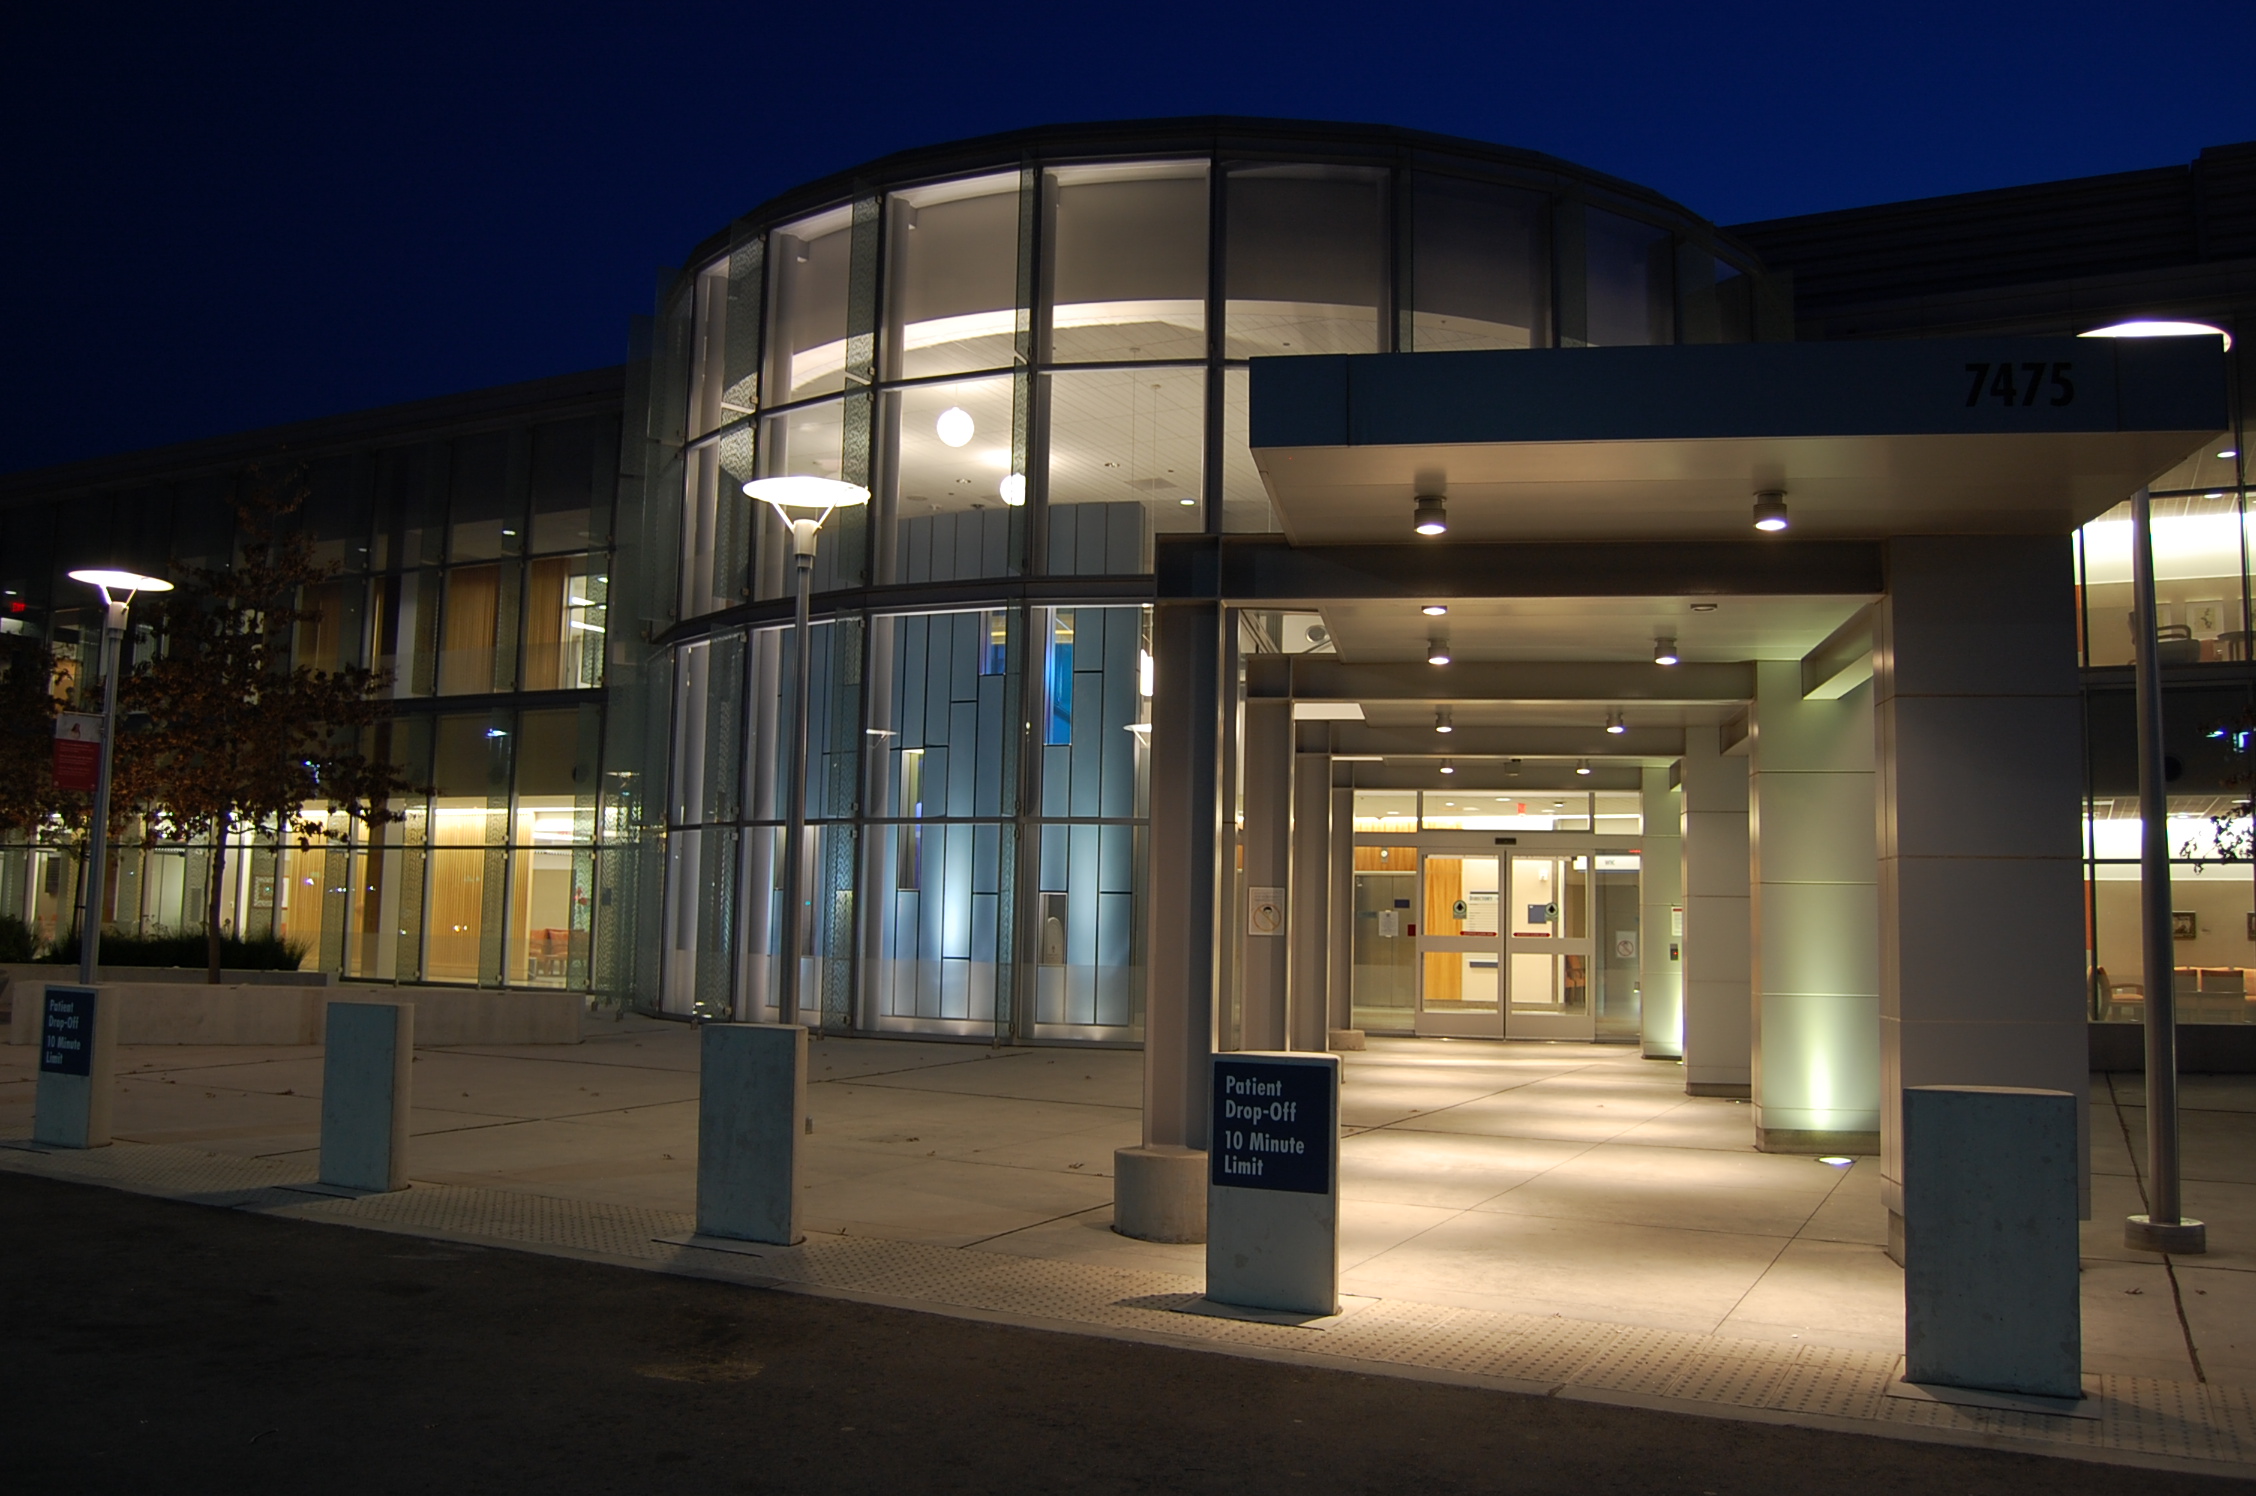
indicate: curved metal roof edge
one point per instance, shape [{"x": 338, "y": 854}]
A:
[{"x": 1206, "y": 133}]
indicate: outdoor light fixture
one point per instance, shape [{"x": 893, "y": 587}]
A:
[
  {"x": 1664, "y": 650},
  {"x": 1582, "y": 766},
  {"x": 954, "y": 426},
  {"x": 1013, "y": 489},
  {"x": 1835, "y": 1160},
  {"x": 2145, "y": 328},
  {"x": 2229, "y": 453},
  {"x": 108, "y": 582},
  {"x": 803, "y": 502},
  {"x": 1770, "y": 510},
  {"x": 1447, "y": 767},
  {"x": 1615, "y": 724},
  {"x": 1441, "y": 720},
  {"x": 1433, "y": 514},
  {"x": 1440, "y": 610},
  {"x": 1437, "y": 651}
]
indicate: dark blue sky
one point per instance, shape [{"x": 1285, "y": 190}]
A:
[{"x": 226, "y": 217}]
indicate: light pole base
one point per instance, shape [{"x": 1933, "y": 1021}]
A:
[{"x": 2184, "y": 1238}]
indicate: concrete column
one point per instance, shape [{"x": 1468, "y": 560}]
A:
[
  {"x": 367, "y": 1090},
  {"x": 1339, "y": 928},
  {"x": 1660, "y": 893},
  {"x": 1816, "y": 1017},
  {"x": 1159, "y": 1188},
  {"x": 1979, "y": 751},
  {"x": 1265, "y": 958},
  {"x": 1717, "y": 963},
  {"x": 1309, "y": 926},
  {"x": 751, "y": 1102}
]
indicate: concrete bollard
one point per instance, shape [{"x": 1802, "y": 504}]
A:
[
  {"x": 751, "y": 1106},
  {"x": 1272, "y": 1204},
  {"x": 1990, "y": 1242},
  {"x": 77, "y": 1064},
  {"x": 366, "y": 1092}
]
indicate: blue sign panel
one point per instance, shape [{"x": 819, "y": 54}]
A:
[
  {"x": 1273, "y": 1127},
  {"x": 66, "y": 1040}
]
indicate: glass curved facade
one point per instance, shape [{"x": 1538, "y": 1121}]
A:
[{"x": 1036, "y": 362}]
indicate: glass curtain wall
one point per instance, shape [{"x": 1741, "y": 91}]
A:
[
  {"x": 1036, "y": 371},
  {"x": 2202, "y": 544}
]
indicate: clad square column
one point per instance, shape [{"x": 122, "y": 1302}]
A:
[
  {"x": 1307, "y": 926},
  {"x": 1264, "y": 943},
  {"x": 1979, "y": 752},
  {"x": 1816, "y": 1014},
  {"x": 1717, "y": 974},
  {"x": 1660, "y": 944},
  {"x": 1159, "y": 1188}
]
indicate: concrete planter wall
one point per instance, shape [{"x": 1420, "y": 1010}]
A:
[
  {"x": 35, "y": 974},
  {"x": 165, "y": 1012}
]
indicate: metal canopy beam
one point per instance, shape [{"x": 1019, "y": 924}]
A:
[
  {"x": 1328, "y": 678},
  {"x": 1268, "y": 570},
  {"x": 1510, "y": 742}
]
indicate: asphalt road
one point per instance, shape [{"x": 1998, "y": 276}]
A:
[{"x": 150, "y": 1346}]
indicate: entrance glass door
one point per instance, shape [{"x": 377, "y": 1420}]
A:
[
  {"x": 1548, "y": 947},
  {"x": 1459, "y": 991}
]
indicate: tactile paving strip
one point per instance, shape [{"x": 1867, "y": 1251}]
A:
[{"x": 2141, "y": 1418}]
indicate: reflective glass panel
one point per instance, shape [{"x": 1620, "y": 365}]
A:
[
  {"x": 1127, "y": 262},
  {"x": 1479, "y": 274},
  {"x": 1630, "y": 280},
  {"x": 809, "y": 266},
  {"x": 955, "y": 489},
  {"x": 1245, "y": 502},
  {"x": 1126, "y": 450},
  {"x": 1307, "y": 259},
  {"x": 2198, "y": 544},
  {"x": 952, "y": 286}
]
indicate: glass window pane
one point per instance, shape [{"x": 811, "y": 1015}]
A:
[
  {"x": 809, "y": 265},
  {"x": 1245, "y": 502},
  {"x": 2197, "y": 582},
  {"x": 1307, "y": 259},
  {"x": 952, "y": 477},
  {"x": 1127, "y": 262},
  {"x": 1631, "y": 280},
  {"x": 1479, "y": 277},
  {"x": 487, "y": 514},
  {"x": 565, "y": 460},
  {"x": 952, "y": 287},
  {"x": 466, "y": 645},
  {"x": 565, "y": 611},
  {"x": 1126, "y": 450}
]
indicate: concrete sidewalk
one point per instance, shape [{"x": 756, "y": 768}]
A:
[{"x": 1545, "y": 1217}]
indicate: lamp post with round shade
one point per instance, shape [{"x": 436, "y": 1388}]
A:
[
  {"x": 109, "y": 584},
  {"x": 802, "y": 502}
]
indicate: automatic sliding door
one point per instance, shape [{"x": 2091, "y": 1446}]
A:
[
  {"x": 1548, "y": 948},
  {"x": 1460, "y": 984}
]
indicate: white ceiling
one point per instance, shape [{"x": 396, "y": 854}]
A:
[{"x": 1590, "y": 628}]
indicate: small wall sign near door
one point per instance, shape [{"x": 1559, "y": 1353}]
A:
[
  {"x": 2184, "y": 925},
  {"x": 1265, "y": 911},
  {"x": 66, "y": 1039}
]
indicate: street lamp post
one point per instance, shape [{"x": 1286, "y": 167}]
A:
[
  {"x": 803, "y": 503},
  {"x": 114, "y": 608}
]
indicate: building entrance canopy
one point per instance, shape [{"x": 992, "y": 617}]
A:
[{"x": 1866, "y": 440}]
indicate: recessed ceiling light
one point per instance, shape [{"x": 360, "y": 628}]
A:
[
  {"x": 2229, "y": 452},
  {"x": 1437, "y": 610},
  {"x": 1447, "y": 767},
  {"x": 1441, "y": 720},
  {"x": 1583, "y": 767},
  {"x": 1703, "y": 607},
  {"x": 1615, "y": 724},
  {"x": 1836, "y": 1160}
]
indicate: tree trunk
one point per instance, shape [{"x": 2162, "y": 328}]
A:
[{"x": 211, "y": 911}]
